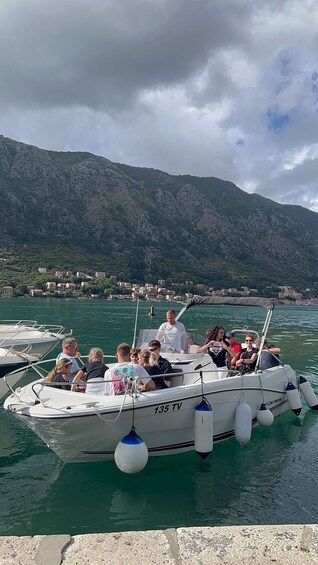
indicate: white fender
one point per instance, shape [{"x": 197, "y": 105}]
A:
[
  {"x": 203, "y": 429},
  {"x": 243, "y": 423},
  {"x": 131, "y": 453},
  {"x": 264, "y": 416},
  {"x": 308, "y": 393},
  {"x": 293, "y": 398}
]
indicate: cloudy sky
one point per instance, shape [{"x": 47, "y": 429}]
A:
[{"x": 225, "y": 88}]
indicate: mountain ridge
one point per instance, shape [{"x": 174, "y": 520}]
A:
[{"x": 144, "y": 224}]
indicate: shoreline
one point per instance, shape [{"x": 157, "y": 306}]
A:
[{"x": 228, "y": 545}]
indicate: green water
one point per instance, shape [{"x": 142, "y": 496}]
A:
[{"x": 270, "y": 481}]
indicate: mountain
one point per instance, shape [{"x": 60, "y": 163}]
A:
[{"x": 79, "y": 211}]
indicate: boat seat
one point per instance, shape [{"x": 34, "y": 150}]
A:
[{"x": 178, "y": 380}]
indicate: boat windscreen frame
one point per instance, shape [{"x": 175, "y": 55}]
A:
[
  {"x": 243, "y": 301},
  {"x": 247, "y": 301}
]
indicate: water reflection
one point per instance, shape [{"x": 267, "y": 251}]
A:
[
  {"x": 263, "y": 482},
  {"x": 25, "y": 489}
]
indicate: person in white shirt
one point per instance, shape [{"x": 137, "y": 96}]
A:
[
  {"x": 114, "y": 376},
  {"x": 172, "y": 334}
]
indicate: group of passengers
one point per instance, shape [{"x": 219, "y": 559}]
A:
[
  {"x": 151, "y": 370},
  {"x": 146, "y": 367},
  {"x": 227, "y": 353}
]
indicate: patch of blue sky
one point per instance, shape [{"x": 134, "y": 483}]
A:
[
  {"x": 282, "y": 86},
  {"x": 285, "y": 66},
  {"x": 240, "y": 142},
  {"x": 275, "y": 121}
]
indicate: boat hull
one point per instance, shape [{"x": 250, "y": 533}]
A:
[
  {"x": 34, "y": 339},
  {"x": 13, "y": 380},
  {"x": 83, "y": 428}
]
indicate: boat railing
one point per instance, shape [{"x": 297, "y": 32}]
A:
[
  {"x": 199, "y": 372},
  {"x": 43, "y": 367},
  {"x": 45, "y": 328},
  {"x": 10, "y": 349},
  {"x": 15, "y": 332},
  {"x": 14, "y": 323}
]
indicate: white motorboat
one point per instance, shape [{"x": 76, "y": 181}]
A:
[
  {"x": 41, "y": 339},
  {"x": 85, "y": 427},
  {"x": 16, "y": 363}
]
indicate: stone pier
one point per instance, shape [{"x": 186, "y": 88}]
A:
[{"x": 246, "y": 545}]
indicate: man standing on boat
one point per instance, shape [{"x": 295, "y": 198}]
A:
[
  {"x": 69, "y": 351},
  {"x": 172, "y": 334}
]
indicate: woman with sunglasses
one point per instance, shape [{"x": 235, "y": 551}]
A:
[{"x": 247, "y": 360}]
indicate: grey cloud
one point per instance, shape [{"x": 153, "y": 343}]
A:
[
  {"x": 103, "y": 53},
  {"x": 296, "y": 186},
  {"x": 171, "y": 84}
]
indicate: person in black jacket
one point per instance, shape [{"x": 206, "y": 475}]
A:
[
  {"x": 149, "y": 362},
  {"x": 164, "y": 365}
]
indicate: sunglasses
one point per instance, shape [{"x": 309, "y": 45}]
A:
[
  {"x": 134, "y": 355},
  {"x": 153, "y": 348},
  {"x": 248, "y": 340}
]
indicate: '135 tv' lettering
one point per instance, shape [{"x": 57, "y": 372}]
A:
[{"x": 168, "y": 407}]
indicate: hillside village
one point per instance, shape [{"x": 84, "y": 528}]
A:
[{"x": 81, "y": 285}]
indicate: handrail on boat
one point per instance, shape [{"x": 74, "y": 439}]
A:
[
  {"x": 39, "y": 368},
  {"x": 18, "y": 322},
  {"x": 29, "y": 325}
]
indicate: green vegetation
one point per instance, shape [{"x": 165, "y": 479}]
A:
[{"x": 78, "y": 212}]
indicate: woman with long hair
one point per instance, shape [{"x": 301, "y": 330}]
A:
[
  {"x": 59, "y": 375},
  {"x": 218, "y": 348},
  {"x": 149, "y": 362}
]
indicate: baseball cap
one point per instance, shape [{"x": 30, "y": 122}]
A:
[{"x": 230, "y": 334}]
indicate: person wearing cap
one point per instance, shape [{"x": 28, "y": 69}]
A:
[{"x": 237, "y": 348}]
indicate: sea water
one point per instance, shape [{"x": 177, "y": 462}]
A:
[{"x": 269, "y": 481}]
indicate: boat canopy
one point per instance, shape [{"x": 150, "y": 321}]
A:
[{"x": 197, "y": 300}]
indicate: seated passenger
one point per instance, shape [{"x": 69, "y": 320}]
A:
[
  {"x": 269, "y": 356},
  {"x": 164, "y": 365},
  {"x": 149, "y": 361},
  {"x": 237, "y": 348},
  {"x": 114, "y": 377},
  {"x": 92, "y": 372},
  {"x": 134, "y": 352},
  {"x": 60, "y": 374},
  {"x": 204, "y": 348},
  {"x": 247, "y": 361},
  {"x": 218, "y": 348}
]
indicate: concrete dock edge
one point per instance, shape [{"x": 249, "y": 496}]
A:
[{"x": 232, "y": 545}]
